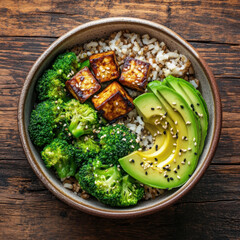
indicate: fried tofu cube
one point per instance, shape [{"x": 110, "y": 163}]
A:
[
  {"x": 113, "y": 102},
  {"x": 83, "y": 85},
  {"x": 135, "y": 74},
  {"x": 104, "y": 66}
]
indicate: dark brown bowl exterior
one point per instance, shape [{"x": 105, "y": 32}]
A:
[{"x": 103, "y": 28}]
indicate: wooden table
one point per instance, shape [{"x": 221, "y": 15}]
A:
[{"x": 29, "y": 211}]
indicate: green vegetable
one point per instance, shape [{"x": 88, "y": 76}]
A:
[
  {"x": 50, "y": 86},
  {"x": 86, "y": 150},
  {"x": 131, "y": 192},
  {"x": 116, "y": 142},
  {"x": 85, "y": 64},
  {"x": 108, "y": 186},
  {"x": 65, "y": 64},
  {"x": 43, "y": 122},
  {"x": 81, "y": 118},
  {"x": 60, "y": 155}
]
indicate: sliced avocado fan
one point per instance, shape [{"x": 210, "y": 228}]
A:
[{"x": 175, "y": 153}]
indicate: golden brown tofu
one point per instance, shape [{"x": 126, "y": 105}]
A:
[
  {"x": 113, "y": 102},
  {"x": 104, "y": 66},
  {"x": 135, "y": 74},
  {"x": 83, "y": 85}
]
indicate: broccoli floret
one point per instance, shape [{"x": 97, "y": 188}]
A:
[
  {"x": 65, "y": 64},
  {"x": 81, "y": 118},
  {"x": 50, "y": 86},
  {"x": 43, "y": 122},
  {"x": 86, "y": 150},
  {"x": 101, "y": 181},
  {"x": 60, "y": 155},
  {"x": 108, "y": 185},
  {"x": 131, "y": 192},
  {"x": 116, "y": 142}
]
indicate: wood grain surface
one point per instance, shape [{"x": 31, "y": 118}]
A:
[{"x": 29, "y": 211}]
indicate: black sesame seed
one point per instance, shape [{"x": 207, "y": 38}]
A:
[
  {"x": 180, "y": 150},
  {"x": 185, "y": 137},
  {"x": 132, "y": 161},
  {"x": 164, "y": 168},
  {"x": 168, "y": 179},
  {"x": 156, "y": 147},
  {"x": 165, "y": 114},
  {"x": 168, "y": 169},
  {"x": 184, "y": 160},
  {"x": 146, "y": 173},
  {"x": 166, "y": 176},
  {"x": 151, "y": 164},
  {"x": 164, "y": 132},
  {"x": 175, "y": 171},
  {"x": 155, "y": 159},
  {"x": 190, "y": 175},
  {"x": 198, "y": 104},
  {"x": 178, "y": 167},
  {"x": 150, "y": 147},
  {"x": 192, "y": 106},
  {"x": 196, "y": 113},
  {"x": 182, "y": 107},
  {"x": 171, "y": 178},
  {"x": 195, "y": 153},
  {"x": 141, "y": 163},
  {"x": 152, "y": 108}
]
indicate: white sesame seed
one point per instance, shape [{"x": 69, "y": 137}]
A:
[
  {"x": 194, "y": 139},
  {"x": 124, "y": 139},
  {"x": 189, "y": 163},
  {"x": 179, "y": 153},
  {"x": 174, "y": 144},
  {"x": 174, "y": 160},
  {"x": 189, "y": 149},
  {"x": 195, "y": 144},
  {"x": 188, "y": 123},
  {"x": 159, "y": 107},
  {"x": 178, "y": 177},
  {"x": 173, "y": 151},
  {"x": 183, "y": 163}
]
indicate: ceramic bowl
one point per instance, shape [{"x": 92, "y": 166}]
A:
[{"x": 103, "y": 28}]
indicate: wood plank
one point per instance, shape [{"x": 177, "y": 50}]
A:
[
  {"x": 27, "y": 209},
  {"x": 208, "y": 20}
]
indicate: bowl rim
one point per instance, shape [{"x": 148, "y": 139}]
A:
[{"x": 126, "y": 213}]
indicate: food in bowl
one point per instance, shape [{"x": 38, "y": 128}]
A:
[{"x": 120, "y": 119}]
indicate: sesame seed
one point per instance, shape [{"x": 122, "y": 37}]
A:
[
  {"x": 178, "y": 177},
  {"x": 179, "y": 153},
  {"x": 146, "y": 173},
  {"x": 173, "y": 151},
  {"x": 189, "y": 163},
  {"x": 164, "y": 132},
  {"x": 155, "y": 159},
  {"x": 152, "y": 108},
  {"x": 195, "y": 144},
  {"x": 156, "y": 147},
  {"x": 182, "y": 107},
  {"x": 173, "y": 103},
  {"x": 182, "y": 162},
  {"x": 189, "y": 149},
  {"x": 174, "y": 160},
  {"x": 124, "y": 139},
  {"x": 159, "y": 107},
  {"x": 194, "y": 139},
  {"x": 188, "y": 122},
  {"x": 174, "y": 144},
  {"x": 198, "y": 104},
  {"x": 195, "y": 153},
  {"x": 132, "y": 146}
]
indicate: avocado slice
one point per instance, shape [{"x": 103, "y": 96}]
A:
[
  {"x": 197, "y": 104},
  {"x": 171, "y": 163}
]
